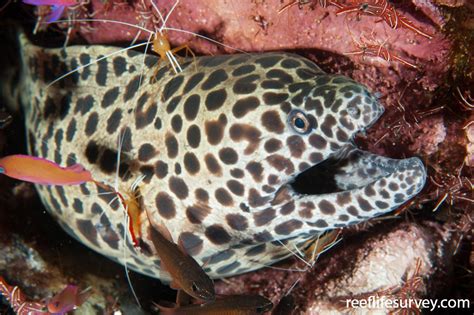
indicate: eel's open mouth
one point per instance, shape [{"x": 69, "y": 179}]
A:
[{"x": 354, "y": 169}]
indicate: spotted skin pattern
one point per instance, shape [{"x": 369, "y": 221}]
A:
[{"x": 219, "y": 147}]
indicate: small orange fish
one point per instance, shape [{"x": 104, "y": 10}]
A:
[
  {"x": 68, "y": 299},
  {"x": 184, "y": 270},
  {"x": 42, "y": 171},
  {"x": 229, "y": 305}
]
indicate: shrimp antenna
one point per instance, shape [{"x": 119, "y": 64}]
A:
[
  {"x": 295, "y": 254},
  {"x": 153, "y": 4},
  {"x": 169, "y": 14},
  {"x": 92, "y": 62},
  {"x": 126, "y": 217}
]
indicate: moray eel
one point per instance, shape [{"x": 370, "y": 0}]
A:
[{"x": 243, "y": 156}]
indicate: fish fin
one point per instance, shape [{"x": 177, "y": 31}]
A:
[
  {"x": 164, "y": 271},
  {"x": 174, "y": 285},
  {"x": 181, "y": 246},
  {"x": 56, "y": 13},
  {"x": 163, "y": 230},
  {"x": 163, "y": 268},
  {"x": 76, "y": 168},
  {"x": 83, "y": 296},
  {"x": 182, "y": 298}
]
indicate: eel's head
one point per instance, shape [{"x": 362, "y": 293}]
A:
[
  {"x": 325, "y": 181},
  {"x": 316, "y": 179}
]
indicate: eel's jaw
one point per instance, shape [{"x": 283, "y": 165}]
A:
[{"x": 353, "y": 187}]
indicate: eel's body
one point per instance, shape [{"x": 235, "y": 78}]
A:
[{"x": 220, "y": 145}]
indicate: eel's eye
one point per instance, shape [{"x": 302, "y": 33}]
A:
[{"x": 299, "y": 122}]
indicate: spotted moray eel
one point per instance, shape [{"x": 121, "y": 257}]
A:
[{"x": 243, "y": 155}]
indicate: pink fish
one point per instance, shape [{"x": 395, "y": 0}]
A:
[
  {"x": 51, "y": 2},
  {"x": 57, "y": 7},
  {"x": 68, "y": 299},
  {"x": 42, "y": 171}
]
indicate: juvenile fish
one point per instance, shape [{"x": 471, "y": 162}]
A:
[
  {"x": 68, "y": 299},
  {"x": 230, "y": 305},
  {"x": 186, "y": 273}
]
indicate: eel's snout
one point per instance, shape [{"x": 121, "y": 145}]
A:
[
  {"x": 417, "y": 173},
  {"x": 363, "y": 185},
  {"x": 359, "y": 169},
  {"x": 410, "y": 171},
  {"x": 414, "y": 164},
  {"x": 352, "y": 168}
]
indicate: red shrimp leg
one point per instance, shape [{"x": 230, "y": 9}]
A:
[{"x": 407, "y": 24}]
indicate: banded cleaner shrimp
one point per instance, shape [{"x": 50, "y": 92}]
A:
[
  {"x": 306, "y": 253},
  {"x": 157, "y": 39},
  {"x": 130, "y": 214}
]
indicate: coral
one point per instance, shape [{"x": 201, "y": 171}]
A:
[
  {"x": 384, "y": 262},
  {"x": 428, "y": 135}
]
